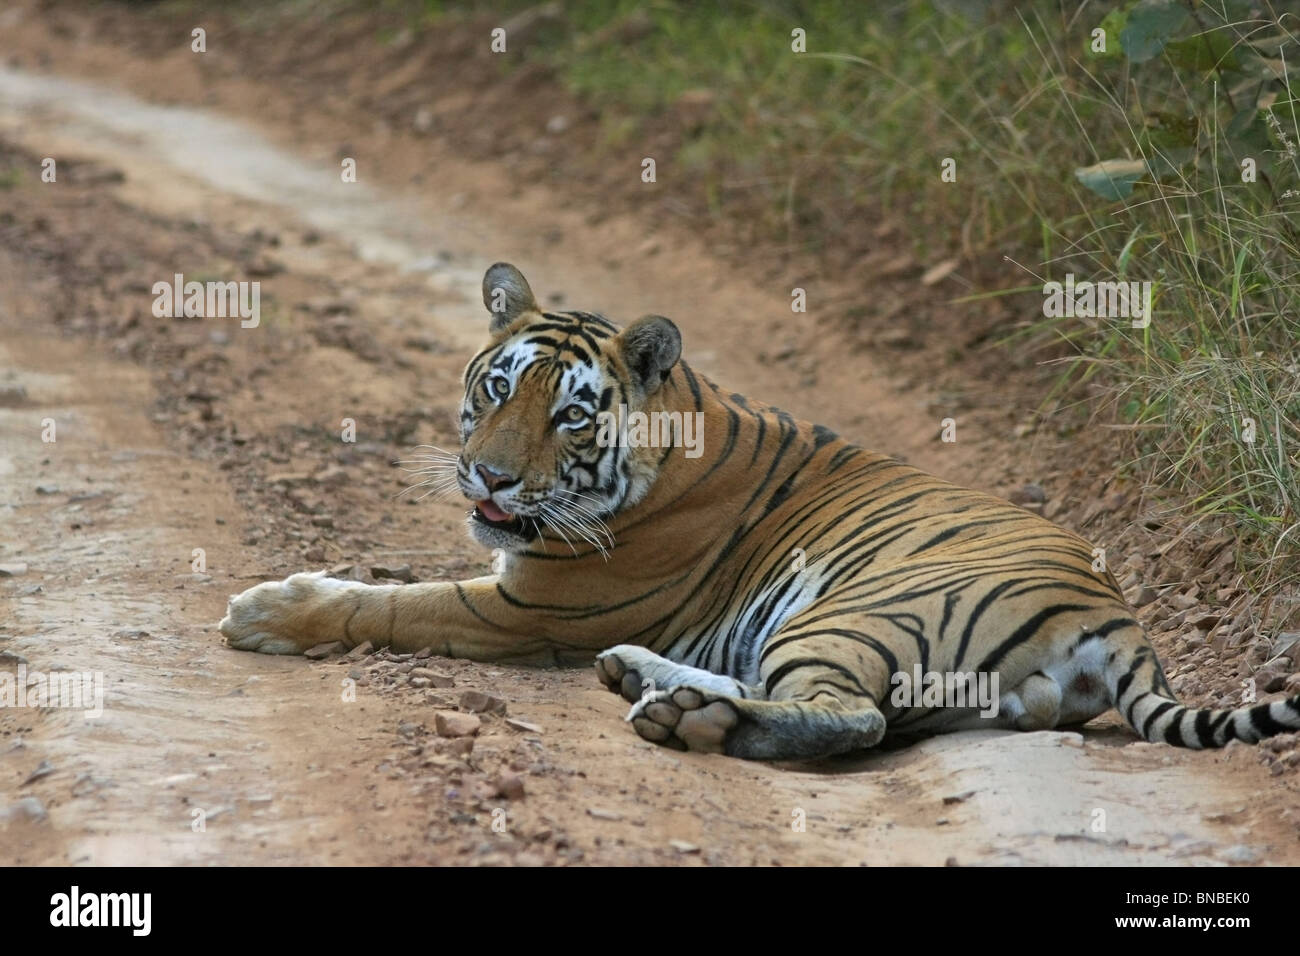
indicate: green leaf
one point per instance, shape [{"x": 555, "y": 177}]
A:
[
  {"x": 1112, "y": 178},
  {"x": 1151, "y": 24},
  {"x": 1208, "y": 51},
  {"x": 1241, "y": 122},
  {"x": 1170, "y": 130}
]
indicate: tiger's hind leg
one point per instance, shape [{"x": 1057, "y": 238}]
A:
[
  {"x": 634, "y": 672},
  {"x": 1034, "y": 704},
  {"x": 690, "y": 718},
  {"x": 821, "y": 685}
]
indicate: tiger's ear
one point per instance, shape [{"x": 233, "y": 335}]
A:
[
  {"x": 650, "y": 347},
  {"x": 507, "y": 296}
]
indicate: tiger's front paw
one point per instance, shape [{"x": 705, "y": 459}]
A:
[{"x": 289, "y": 616}]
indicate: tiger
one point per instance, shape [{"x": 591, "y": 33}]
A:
[{"x": 766, "y": 598}]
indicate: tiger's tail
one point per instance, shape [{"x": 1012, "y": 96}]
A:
[{"x": 1143, "y": 697}]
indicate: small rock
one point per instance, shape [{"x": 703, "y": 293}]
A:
[
  {"x": 510, "y": 786},
  {"x": 28, "y": 808},
  {"x": 263, "y": 265},
  {"x": 681, "y": 846},
  {"x": 456, "y": 746},
  {"x": 524, "y": 725},
  {"x": 44, "y": 769},
  {"x": 477, "y": 702},
  {"x": 401, "y": 572},
  {"x": 13, "y": 569},
  {"x": 322, "y": 651},
  {"x": 432, "y": 678},
  {"x": 360, "y": 651},
  {"x": 47, "y": 489},
  {"x": 599, "y": 814},
  {"x": 449, "y": 723},
  {"x": 1239, "y": 854},
  {"x": 332, "y": 476},
  {"x": 1028, "y": 494}
]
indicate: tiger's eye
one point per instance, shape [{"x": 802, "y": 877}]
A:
[
  {"x": 573, "y": 415},
  {"x": 499, "y": 387}
]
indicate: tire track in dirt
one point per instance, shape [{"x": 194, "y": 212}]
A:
[{"x": 305, "y": 778}]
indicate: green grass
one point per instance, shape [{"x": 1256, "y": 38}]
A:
[{"x": 817, "y": 147}]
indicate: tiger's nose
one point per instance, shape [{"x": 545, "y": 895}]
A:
[{"x": 494, "y": 479}]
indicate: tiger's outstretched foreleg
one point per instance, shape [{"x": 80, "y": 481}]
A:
[{"x": 455, "y": 619}]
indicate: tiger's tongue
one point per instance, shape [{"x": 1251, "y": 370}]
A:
[{"x": 491, "y": 511}]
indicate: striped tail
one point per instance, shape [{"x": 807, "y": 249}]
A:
[{"x": 1140, "y": 692}]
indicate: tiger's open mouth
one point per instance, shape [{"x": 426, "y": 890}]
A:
[{"x": 485, "y": 512}]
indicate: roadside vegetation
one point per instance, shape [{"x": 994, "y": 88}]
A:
[{"x": 1150, "y": 141}]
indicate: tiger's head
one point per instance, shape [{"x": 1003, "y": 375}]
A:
[{"x": 532, "y": 455}]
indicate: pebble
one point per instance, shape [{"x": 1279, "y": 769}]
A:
[
  {"x": 524, "y": 725},
  {"x": 477, "y": 702},
  {"x": 511, "y": 786},
  {"x": 360, "y": 651},
  {"x": 431, "y": 677},
  {"x": 449, "y": 723},
  {"x": 599, "y": 814},
  {"x": 44, "y": 769},
  {"x": 681, "y": 846},
  {"x": 1028, "y": 494},
  {"x": 401, "y": 572},
  {"x": 28, "y": 808},
  {"x": 1239, "y": 854},
  {"x": 13, "y": 569},
  {"x": 322, "y": 651}
]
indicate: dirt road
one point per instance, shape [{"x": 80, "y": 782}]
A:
[{"x": 174, "y": 436}]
